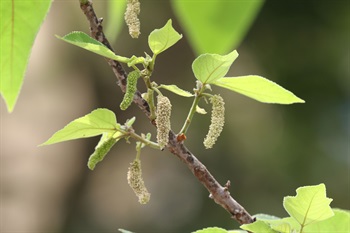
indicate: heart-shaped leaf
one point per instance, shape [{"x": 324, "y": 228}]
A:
[
  {"x": 209, "y": 67},
  {"x": 95, "y": 123}
]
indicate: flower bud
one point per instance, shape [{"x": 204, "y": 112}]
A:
[
  {"x": 217, "y": 121},
  {"x": 163, "y": 120},
  {"x": 131, "y": 19},
  {"x": 135, "y": 181}
]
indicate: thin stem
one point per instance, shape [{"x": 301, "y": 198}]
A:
[
  {"x": 144, "y": 140},
  {"x": 198, "y": 96}
]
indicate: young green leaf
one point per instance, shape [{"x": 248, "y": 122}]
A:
[
  {"x": 207, "y": 68},
  {"x": 340, "y": 222},
  {"x": 176, "y": 90},
  {"x": 227, "y": 22},
  {"x": 211, "y": 230},
  {"x": 20, "y": 22},
  {"x": 163, "y": 38},
  {"x": 84, "y": 41},
  {"x": 258, "y": 227},
  {"x": 95, "y": 123},
  {"x": 259, "y": 88},
  {"x": 105, "y": 144},
  {"x": 310, "y": 205}
]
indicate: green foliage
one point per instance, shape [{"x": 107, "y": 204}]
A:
[
  {"x": 259, "y": 88},
  {"x": 209, "y": 67},
  {"x": 211, "y": 230},
  {"x": 131, "y": 87},
  {"x": 16, "y": 42},
  {"x": 95, "y": 123},
  {"x": 215, "y": 26},
  {"x": 308, "y": 211},
  {"x": 84, "y": 41},
  {"x": 161, "y": 39},
  {"x": 310, "y": 205},
  {"x": 176, "y": 90}
]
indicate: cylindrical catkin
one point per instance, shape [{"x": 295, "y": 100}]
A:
[
  {"x": 102, "y": 148},
  {"x": 131, "y": 19},
  {"x": 135, "y": 181},
  {"x": 131, "y": 86},
  {"x": 217, "y": 121},
  {"x": 163, "y": 120}
]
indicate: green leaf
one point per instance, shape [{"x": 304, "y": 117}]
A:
[
  {"x": 258, "y": 227},
  {"x": 163, "y": 38},
  {"x": 209, "y": 67},
  {"x": 259, "y": 88},
  {"x": 105, "y": 144},
  {"x": 310, "y": 205},
  {"x": 215, "y": 26},
  {"x": 19, "y": 24},
  {"x": 84, "y": 41},
  {"x": 95, "y": 123},
  {"x": 175, "y": 89},
  {"x": 211, "y": 230},
  {"x": 340, "y": 222}
]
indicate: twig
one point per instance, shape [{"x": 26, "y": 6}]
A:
[{"x": 218, "y": 193}]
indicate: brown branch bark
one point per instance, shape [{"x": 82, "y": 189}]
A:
[{"x": 218, "y": 193}]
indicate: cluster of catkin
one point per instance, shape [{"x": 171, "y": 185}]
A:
[{"x": 131, "y": 17}]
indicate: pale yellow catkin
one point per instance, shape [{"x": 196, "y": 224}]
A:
[
  {"x": 135, "y": 181},
  {"x": 163, "y": 120},
  {"x": 217, "y": 121},
  {"x": 131, "y": 17}
]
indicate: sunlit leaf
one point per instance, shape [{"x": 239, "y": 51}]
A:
[
  {"x": 258, "y": 226},
  {"x": 215, "y": 26},
  {"x": 163, "y": 38},
  {"x": 95, "y": 123},
  {"x": 84, "y": 41},
  {"x": 259, "y": 88},
  {"x": 19, "y": 23},
  {"x": 209, "y": 67},
  {"x": 211, "y": 230},
  {"x": 340, "y": 222},
  {"x": 175, "y": 89},
  {"x": 310, "y": 205}
]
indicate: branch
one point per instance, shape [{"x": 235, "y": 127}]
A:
[{"x": 218, "y": 193}]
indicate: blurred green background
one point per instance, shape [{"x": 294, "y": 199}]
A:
[{"x": 266, "y": 151}]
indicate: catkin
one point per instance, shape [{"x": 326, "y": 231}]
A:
[
  {"x": 135, "y": 181},
  {"x": 102, "y": 148},
  {"x": 131, "y": 86},
  {"x": 217, "y": 121},
  {"x": 163, "y": 120},
  {"x": 131, "y": 19}
]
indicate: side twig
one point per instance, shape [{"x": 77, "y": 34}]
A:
[{"x": 218, "y": 193}]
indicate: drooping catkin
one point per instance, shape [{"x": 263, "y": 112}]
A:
[
  {"x": 135, "y": 181},
  {"x": 131, "y": 86},
  {"x": 131, "y": 19},
  {"x": 217, "y": 121},
  {"x": 102, "y": 148},
  {"x": 163, "y": 120}
]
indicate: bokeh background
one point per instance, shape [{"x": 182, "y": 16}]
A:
[{"x": 266, "y": 151}]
